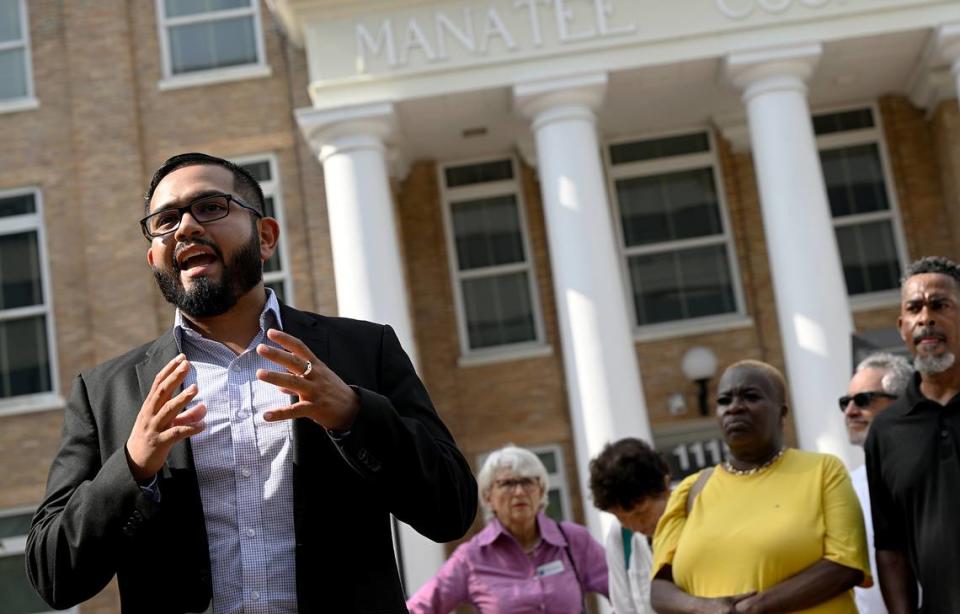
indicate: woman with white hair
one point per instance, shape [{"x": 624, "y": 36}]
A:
[{"x": 522, "y": 561}]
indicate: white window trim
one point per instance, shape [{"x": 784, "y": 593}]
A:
[
  {"x": 869, "y": 136},
  {"x": 29, "y": 100},
  {"x": 17, "y": 546},
  {"x": 272, "y": 189},
  {"x": 557, "y": 480},
  {"x": 514, "y": 351},
  {"x": 658, "y": 166},
  {"x": 51, "y": 399},
  {"x": 170, "y": 81}
]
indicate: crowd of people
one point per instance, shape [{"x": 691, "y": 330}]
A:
[
  {"x": 770, "y": 529},
  {"x": 252, "y": 456}
]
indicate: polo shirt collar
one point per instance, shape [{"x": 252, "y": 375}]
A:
[{"x": 915, "y": 401}]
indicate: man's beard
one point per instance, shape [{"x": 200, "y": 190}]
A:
[
  {"x": 857, "y": 438},
  {"x": 207, "y": 297},
  {"x": 931, "y": 365}
]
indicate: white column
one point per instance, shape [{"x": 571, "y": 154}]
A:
[
  {"x": 600, "y": 363},
  {"x": 948, "y": 43},
  {"x": 808, "y": 283},
  {"x": 367, "y": 258}
]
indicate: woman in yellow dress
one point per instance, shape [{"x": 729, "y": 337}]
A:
[{"x": 770, "y": 530}]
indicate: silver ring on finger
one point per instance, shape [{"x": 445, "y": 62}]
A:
[{"x": 307, "y": 369}]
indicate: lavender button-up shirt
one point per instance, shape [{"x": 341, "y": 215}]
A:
[{"x": 492, "y": 573}]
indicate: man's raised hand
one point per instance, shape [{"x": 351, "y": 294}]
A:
[
  {"x": 161, "y": 421},
  {"x": 323, "y": 396}
]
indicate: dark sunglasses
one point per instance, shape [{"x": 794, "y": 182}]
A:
[{"x": 863, "y": 399}]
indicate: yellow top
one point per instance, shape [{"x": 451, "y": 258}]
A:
[{"x": 749, "y": 532}]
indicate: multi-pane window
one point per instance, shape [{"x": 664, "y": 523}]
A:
[
  {"x": 275, "y": 271},
  {"x": 864, "y": 216},
  {"x": 15, "y": 78},
  {"x": 18, "y": 596},
  {"x": 673, "y": 229},
  {"x": 206, "y": 35},
  {"x": 558, "y": 495},
  {"x": 491, "y": 260},
  {"x": 25, "y": 328}
]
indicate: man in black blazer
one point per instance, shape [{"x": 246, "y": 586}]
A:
[{"x": 135, "y": 489}]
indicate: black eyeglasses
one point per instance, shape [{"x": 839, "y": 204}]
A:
[
  {"x": 205, "y": 209},
  {"x": 511, "y": 483},
  {"x": 863, "y": 399}
]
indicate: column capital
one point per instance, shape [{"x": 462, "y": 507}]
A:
[
  {"x": 347, "y": 128},
  {"x": 936, "y": 76},
  {"x": 947, "y": 42},
  {"x": 771, "y": 69},
  {"x": 548, "y": 100}
]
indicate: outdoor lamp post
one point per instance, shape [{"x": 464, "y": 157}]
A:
[{"x": 699, "y": 365}]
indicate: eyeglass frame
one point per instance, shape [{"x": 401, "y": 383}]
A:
[
  {"x": 869, "y": 396},
  {"x": 526, "y": 483},
  {"x": 189, "y": 208}
]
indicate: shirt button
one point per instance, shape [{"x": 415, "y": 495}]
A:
[
  {"x": 245, "y": 472},
  {"x": 254, "y": 595},
  {"x": 251, "y": 532},
  {"x": 944, "y": 433}
]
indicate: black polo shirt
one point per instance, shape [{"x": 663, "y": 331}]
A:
[{"x": 913, "y": 469}]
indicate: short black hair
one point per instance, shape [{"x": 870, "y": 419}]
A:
[
  {"x": 243, "y": 182},
  {"x": 933, "y": 264},
  {"x": 625, "y": 473}
]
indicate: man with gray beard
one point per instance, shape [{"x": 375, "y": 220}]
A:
[
  {"x": 879, "y": 379},
  {"x": 913, "y": 463}
]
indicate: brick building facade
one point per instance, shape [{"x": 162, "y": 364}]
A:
[{"x": 109, "y": 89}]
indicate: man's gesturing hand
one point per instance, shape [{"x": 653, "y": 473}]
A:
[
  {"x": 324, "y": 397},
  {"x": 160, "y": 423}
]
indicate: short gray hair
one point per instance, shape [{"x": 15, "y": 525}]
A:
[
  {"x": 897, "y": 371},
  {"x": 521, "y": 461}
]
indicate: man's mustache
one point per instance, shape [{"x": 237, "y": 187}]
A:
[
  {"x": 194, "y": 242},
  {"x": 928, "y": 332}
]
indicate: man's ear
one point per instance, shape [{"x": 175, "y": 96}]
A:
[
  {"x": 150, "y": 255},
  {"x": 903, "y": 335},
  {"x": 269, "y": 231}
]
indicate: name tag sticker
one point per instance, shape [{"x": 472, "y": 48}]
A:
[{"x": 550, "y": 569}]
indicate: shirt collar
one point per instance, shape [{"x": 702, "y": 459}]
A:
[
  {"x": 269, "y": 318},
  {"x": 915, "y": 401},
  {"x": 549, "y": 531}
]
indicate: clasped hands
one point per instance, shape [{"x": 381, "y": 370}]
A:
[
  {"x": 322, "y": 396},
  {"x": 735, "y": 604}
]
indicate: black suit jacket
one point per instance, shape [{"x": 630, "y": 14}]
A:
[{"x": 399, "y": 458}]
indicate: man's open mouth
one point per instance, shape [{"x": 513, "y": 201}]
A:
[{"x": 195, "y": 258}]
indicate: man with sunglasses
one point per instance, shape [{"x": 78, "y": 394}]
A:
[
  {"x": 879, "y": 379},
  {"x": 913, "y": 452},
  {"x": 249, "y": 458}
]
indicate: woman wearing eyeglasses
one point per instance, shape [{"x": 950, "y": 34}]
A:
[
  {"x": 522, "y": 561},
  {"x": 771, "y": 529}
]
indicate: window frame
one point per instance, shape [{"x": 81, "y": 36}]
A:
[
  {"x": 17, "y": 546},
  {"x": 273, "y": 189},
  {"x": 512, "y": 351},
  {"x": 169, "y": 80},
  {"x": 738, "y": 318},
  {"x": 50, "y": 399},
  {"x": 28, "y": 100},
  {"x": 866, "y": 136}
]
